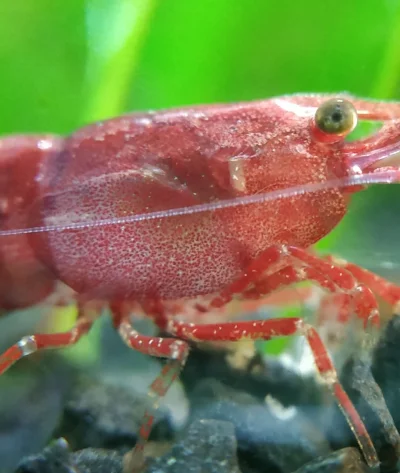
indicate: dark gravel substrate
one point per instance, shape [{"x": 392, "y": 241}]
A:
[{"x": 230, "y": 427}]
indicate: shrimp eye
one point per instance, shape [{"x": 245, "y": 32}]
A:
[{"x": 336, "y": 117}]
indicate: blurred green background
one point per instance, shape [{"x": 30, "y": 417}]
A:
[{"x": 66, "y": 63}]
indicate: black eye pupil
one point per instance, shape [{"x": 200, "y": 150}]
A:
[{"x": 337, "y": 116}]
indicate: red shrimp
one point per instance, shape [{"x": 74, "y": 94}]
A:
[{"x": 180, "y": 212}]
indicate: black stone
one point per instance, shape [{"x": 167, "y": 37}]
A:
[
  {"x": 100, "y": 415},
  {"x": 347, "y": 460},
  {"x": 209, "y": 446},
  {"x": 265, "y": 441}
]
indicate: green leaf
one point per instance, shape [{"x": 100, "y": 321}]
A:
[{"x": 115, "y": 32}]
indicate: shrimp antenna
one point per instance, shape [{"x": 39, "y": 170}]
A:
[{"x": 378, "y": 177}]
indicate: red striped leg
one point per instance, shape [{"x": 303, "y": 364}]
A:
[
  {"x": 264, "y": 330},
  {"x": 389, "y": 291},
  {"x": 302, "y": 266},
  {"x": 32, "y": 343},
  {"x": 176, "y": 351}
]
